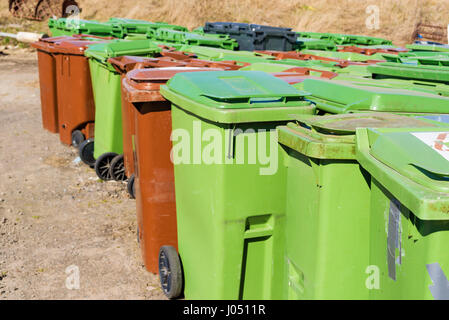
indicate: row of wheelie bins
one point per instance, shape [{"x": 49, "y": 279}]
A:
[{"x": 263, "y": 175}]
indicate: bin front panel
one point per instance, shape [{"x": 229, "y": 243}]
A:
[
  {"x": 230, "y": 217},
  {"x": 409, "y": 211}
]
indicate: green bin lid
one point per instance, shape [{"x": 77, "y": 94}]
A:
[
  {"x": 342, "y": 97},
  {"x": 236, "y": 96},
  {"x": 412, "y": 164},
  {"x": 333, "y": 136},
  {"x": 315, "y": 44},
  {"x": 428, "y": 47},
  {"x": 419, "y": 72},
  {"x": 409, "y": 84},
  {"x": 350, "y": 56},
  {"x": 103, "y": 51},
  {"x": 222, "y": 54}
]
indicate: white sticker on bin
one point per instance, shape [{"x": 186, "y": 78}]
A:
[{"x": 438, "y": 141}]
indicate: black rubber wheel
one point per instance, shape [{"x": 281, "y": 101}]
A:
[
  {"x": 77, "y": 138},
  {"x": 131, "y": 187},
  {"x": 118, "y": 168},
  {"x": 86, "y": 152},
  {"x": 103, "y": 166},
  {"x": 170, "y": 272}
]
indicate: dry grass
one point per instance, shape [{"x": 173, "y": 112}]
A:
[{"x": 397, "y": 17}]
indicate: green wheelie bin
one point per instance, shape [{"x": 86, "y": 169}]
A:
[
  {"x": 229, "y": 186},
  {"x": 106, "y": 84},
  {"x": 409, "y": 223},
  {"x": 328, "y": 205}
]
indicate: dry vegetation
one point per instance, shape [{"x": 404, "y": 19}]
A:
[{"x": 397, "y": 17}]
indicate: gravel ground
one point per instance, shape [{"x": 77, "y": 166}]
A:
[{"x": 56, "y": 217}]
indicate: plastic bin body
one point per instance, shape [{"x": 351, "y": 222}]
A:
[
  {"x": 106, "y": 82},
  {"x": 122, "y": 65},
  {"x": 328, "y": 206},
  {"x": 151, "y": 145},
  {"x": 230, "y": 217},
  {"x": 409, "y": 211}
]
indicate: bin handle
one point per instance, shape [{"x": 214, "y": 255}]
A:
[{"x": 247, "y": 99}]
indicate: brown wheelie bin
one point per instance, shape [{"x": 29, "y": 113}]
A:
[
  {"x": 154, "y": 176},
  {"x": 47, "y": 81},
  {"x": 123, "y": 65},
  {"x": 76, "y": 106},
  {"x": 60, "y": 61}
]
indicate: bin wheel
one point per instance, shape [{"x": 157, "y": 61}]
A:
[
  {"x": 118, "y": 168},
  {"x": 86, "y": 152},
  {"x": 131, "y": 187},
  {"x": 103, "y": 166},
  {"x": 170, "y": 272},
  {"x": 77, "y": 138}
]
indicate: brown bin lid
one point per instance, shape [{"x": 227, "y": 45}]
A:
[
  {"x": 76, "y": 44},
  {"x": 125, "y": 64},
  {"x": 142, "y": 85}
]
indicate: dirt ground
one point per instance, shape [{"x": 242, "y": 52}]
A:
[{"x": 54, "y": 212}]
